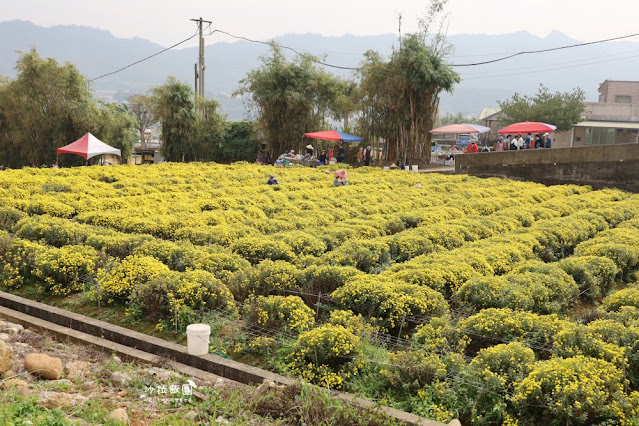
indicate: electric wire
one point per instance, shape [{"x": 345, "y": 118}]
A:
[
  {"x": 527, "y": 52},
  {"x": 313, "y": 59},
  {"x": 143, "y": 59}
]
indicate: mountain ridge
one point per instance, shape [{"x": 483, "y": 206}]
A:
[{"x": 97, "y": 51}]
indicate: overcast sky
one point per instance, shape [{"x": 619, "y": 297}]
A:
[{"x": 167, "y": 21}]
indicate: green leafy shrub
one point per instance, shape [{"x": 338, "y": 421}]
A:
[
  {"x": 595, "y": 275},
  {"x": 413, "y": 370}
]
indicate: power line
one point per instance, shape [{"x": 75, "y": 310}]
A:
[
  {"x": 144, "y": 59},
  {"x": 285, "y": 47},
  {"x": 543, "y": 50}
]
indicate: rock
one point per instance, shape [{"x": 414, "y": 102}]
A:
[
  {"x": 116, "y": 359},
  {"x": 454, "y": 422},
  {"x": 221, "y": 421},
  {"x": 122, "y": 394},
  {"x": 14, "y": 383},
  {"x": 120, "y": 380},
  {"x": 89, "y": 386},
  {"x": 4, "y": 337},
  {"x": 6, "y": 357},
  {"x": 76, "y": 370},
  {"x": 63, "y": 382},
  {"x": 53, "y": 400},
  {"x": 191, "y": 416},
  {"x": 219, "y": 383},
  {"x": 119, "y": 415},
  {"x": 44, "y": 366},
  {"x": 23, "y": 391},
  {"x": 14, "y": 328}
]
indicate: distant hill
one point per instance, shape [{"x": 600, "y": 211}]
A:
[{"x": 96, "y": 52}]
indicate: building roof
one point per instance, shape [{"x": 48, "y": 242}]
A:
[
  {"x": 488, "y": 112},
  {"x": 610, "y": 124}
]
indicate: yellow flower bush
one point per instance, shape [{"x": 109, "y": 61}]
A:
[
  {"x": 380, "y": 256},
  {"x": 577, "y": 390},
  {"x": 327, "y": 356},
  {"x": 282, "y": 313},
  {"x": 133, "y": 271},
  {"x": 388, "y": 304},
  {"x": 67, "y": 269}
]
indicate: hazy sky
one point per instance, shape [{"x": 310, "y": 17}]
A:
[{"x": 167, "y": 21}]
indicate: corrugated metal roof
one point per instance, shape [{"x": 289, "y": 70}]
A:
[
  {"x": 487, "y": 112},
  {"x": 610, "y": 124}
]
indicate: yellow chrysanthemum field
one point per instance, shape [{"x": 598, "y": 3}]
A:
[{"x": 490, "y": 300}]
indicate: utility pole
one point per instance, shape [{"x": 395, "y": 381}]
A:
[{"x": 200, "y": 66}]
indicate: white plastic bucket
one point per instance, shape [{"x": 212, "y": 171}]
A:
[
  {"x": 386, "y": 168},
  {"x": 197, "y": 339},
  {"x": 415, "y": 167}
]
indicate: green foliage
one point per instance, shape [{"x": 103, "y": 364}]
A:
[
  {"x": 398, "y": 98},
  {"x": 413, "y": 370},
  {"x": 561, "y": 109},
  {"x": 325, "y": 279},
  {"x": 52, "y": 102},
  {"x": 238, "y": 143},
  {"x": 595, "y": 275},
  {"x": 173, "y": 106},
  {"x": 117, "y": 128},
  {"x": 289, "y": 98}
]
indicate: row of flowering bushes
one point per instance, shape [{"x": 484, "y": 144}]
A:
[{"x": 456, "y": 298}]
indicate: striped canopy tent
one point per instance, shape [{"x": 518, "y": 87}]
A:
[
  {"x": 88, "y": 146},
  {"x": 334, "y": 135}
]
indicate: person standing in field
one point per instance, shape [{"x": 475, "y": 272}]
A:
[
  {"x": 548, "y": 140},
  {"x": 367, "y": 156},
  {"x": 360, "y": 156}
]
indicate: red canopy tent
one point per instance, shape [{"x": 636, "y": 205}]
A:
[{"x": 88, "y": 146}]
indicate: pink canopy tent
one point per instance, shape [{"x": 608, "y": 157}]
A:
[
  {"x": 88, "y": 146},
  {"x": 461, "y": 128}
]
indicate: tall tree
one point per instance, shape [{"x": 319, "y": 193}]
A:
[
  {"x": 117, "y": 127},
  {"x": 140, "y": 106},
  {"x": 45, "y": 107},
  {"x": 400, "y": 97},
  {"x": 172, "y": 104},
  {"x": 560, "y": 109},
  {"x": 208, "y": 131},
  {"x": 288, "y": 98}
]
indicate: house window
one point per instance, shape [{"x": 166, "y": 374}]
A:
[{"x": 623, "y": 99}]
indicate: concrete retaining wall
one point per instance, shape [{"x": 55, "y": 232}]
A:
[
  {"x": 615, "y": 166},
  {"x": 152, "y": 345}
]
